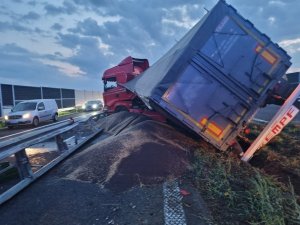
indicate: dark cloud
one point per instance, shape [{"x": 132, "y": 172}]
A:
[
  {"x": 141, "y": 30},
  {"x": 58, "y": 54},
  {"x": 14, "y": 26},
  {"x": 89, "y": 57},
  {"x": 38, "y": 30},
  {"x": 140, "y": 5},
  {"x": 4, "y": 26},
  {"x": 8, "y": 26},
  {"x": 31, "y": 16},
  {"x": 32, "y": 3},
  {"x": 68, "y": 40},
  {"x": 87, "y": 27},
  {"x": 144, "y": 15},
  {"x": 67, "y": 8},
  {"x": 90, "y": 4},
  {"x": 122, "y": 39},
  {"x": 13, "y": 49},
  {"x": 16, "y": 60},
  {"x": 9, "y": 14},
  {"x": 53, "y": 10},
  {"x": 21, "y": 66},
  {"x": 56, "y": 26}
]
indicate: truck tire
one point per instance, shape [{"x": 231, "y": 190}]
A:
[
  {"x": 121, "y": 108},
  {"x": 35, "y": 122}
]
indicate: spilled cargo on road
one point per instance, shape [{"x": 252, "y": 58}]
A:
[{"x": 216, "y": 77}]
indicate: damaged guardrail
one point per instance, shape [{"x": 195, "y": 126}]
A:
[
  {"x": 68, "y": 137},
  {"x": 21, "y": 136}
]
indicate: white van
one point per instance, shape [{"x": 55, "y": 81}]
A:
[{"x": 32, "y": 112}]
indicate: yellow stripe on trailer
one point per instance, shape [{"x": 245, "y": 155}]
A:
[{"x": 211, "y": 126}]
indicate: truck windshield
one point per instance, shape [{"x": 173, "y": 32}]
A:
[
  {"x": 110, "y": 83},
  {"x": 24, "y": 106}
]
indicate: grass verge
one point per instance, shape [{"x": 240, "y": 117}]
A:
[
  {"x": 237, "y": 193},
  {"x": 68, "y": 112},
  {"x": 2, "y": 124}
]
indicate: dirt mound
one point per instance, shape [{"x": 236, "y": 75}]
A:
[{"x": 139, "y": 151}]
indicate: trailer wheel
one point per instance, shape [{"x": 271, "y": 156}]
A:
[{"x": 121, "y": 109}]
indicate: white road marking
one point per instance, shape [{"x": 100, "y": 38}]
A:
[{"x": 173, "y": 210}]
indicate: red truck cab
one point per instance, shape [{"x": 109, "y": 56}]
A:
[{"x": 116, "y": 97}]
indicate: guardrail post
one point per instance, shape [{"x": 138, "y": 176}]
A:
[
  {"x": 92, "y": 124},
  {"x": 61, "y": 145},
  {"x": 17, "y": 147},
  {"x": 23, "y": 164}
]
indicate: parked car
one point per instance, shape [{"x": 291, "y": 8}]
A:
[
  {"x": 32, "y": 112},
  {"x": 92, "y": 105}
]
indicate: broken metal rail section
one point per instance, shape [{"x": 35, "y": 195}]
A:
[
  {"x": 29, "y": 134},
  {"x": 57, "y": 131}
]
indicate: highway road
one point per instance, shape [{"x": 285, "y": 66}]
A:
[{"x": 5, "y": 131}]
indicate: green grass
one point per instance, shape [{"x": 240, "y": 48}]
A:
[
  {"x": 2, "y": 124},
  {"x": 68, "y": 112},
  {"x": 237, "y": 193},
  {"x": 266, "y": 201}
]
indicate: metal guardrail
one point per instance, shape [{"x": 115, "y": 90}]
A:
[
  {"x": 56, "y": 131},
  {"x": 20, "y": 136},
  {"x": 259, "y": 121}
]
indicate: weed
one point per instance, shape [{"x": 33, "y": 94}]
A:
[
  {"x": 291, "y": 207},
  {"x": 265, "y": 201},
  {"x": 67, "y": 112},
  {"x": 237, "y": 193},
  {"x": 2, "y": 124}
]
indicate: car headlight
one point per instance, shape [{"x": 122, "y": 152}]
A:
[
  {"x": 94, "y": 106},
  {"x": 83, "y": 107},
  {"x": 6, "y": 117},
  {"x": 26, "y": 116}
]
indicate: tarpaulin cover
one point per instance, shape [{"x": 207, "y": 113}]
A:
[{"x": 216, "y": 77}]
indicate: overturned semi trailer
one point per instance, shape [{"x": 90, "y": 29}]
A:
[{"x": 216, "y": 77}]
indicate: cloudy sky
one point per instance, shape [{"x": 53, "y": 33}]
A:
[{"x": 69, "y": 43}]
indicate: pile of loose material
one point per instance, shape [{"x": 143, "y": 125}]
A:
[{"x": 138, "y": 151}]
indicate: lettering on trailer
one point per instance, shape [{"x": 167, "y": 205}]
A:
[
  {"x": 285, "y": 119},
  {"x": 286, "y": 113}
]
